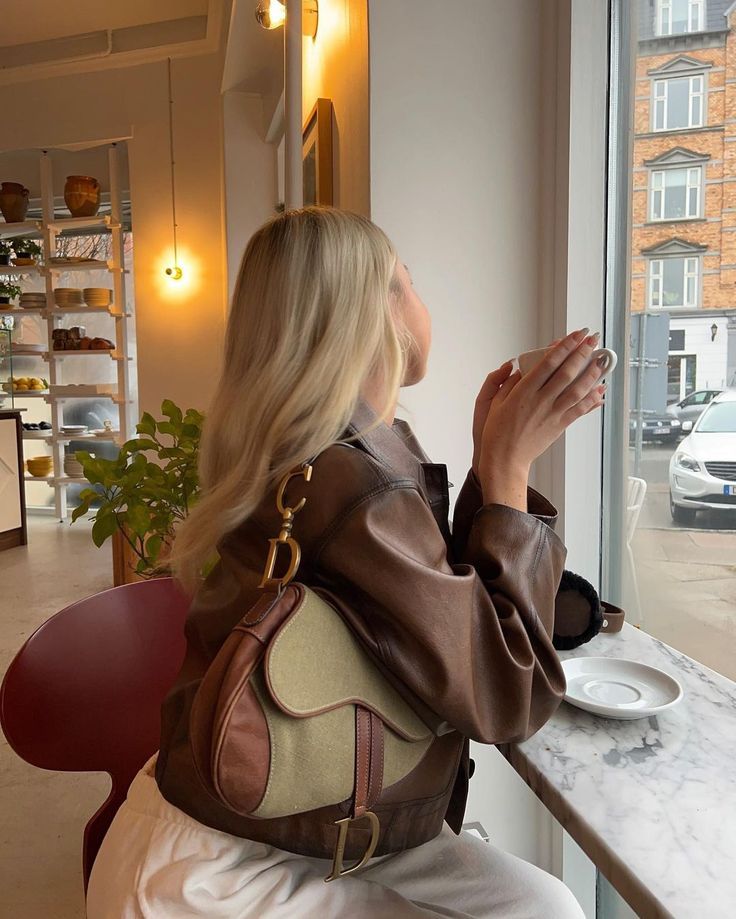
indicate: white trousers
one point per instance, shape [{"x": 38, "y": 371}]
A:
[{"x": 157, "y": 862}]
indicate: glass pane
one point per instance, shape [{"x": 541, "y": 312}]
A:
[
  {"x": 673, "y": 274},
  {"x": 675, "y": 194},
  {"x": 679, "y": 16},
  {"x": 659, "y": 107},
  {"x": 692, "y": 203},
  {"x": 679, "y": 581},
  {"x": 696, "y": 12},
  {"x": 696, "y": 103},
  {"x": 678, "y": 101},
  {"x": 655, "y": 283},
  {"x": 657, "y": 204}
]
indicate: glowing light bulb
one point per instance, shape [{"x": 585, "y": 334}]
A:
[
  {"x": 174, "y": 272},
  {"x": 271, "y": 14}
]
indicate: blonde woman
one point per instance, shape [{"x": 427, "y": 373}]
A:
[{"x": 325, "y": 328}]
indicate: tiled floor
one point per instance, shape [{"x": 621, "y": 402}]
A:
[{"x": 44, "y": 813}]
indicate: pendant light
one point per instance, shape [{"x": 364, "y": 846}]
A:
[{"x": 173, "y": 271}]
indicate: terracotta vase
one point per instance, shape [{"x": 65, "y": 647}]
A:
[
  {"x": 82, "y": 195},
  {"x": 13, "y": 202}
]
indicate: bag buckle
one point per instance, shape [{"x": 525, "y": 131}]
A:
[
  {"x": 285, "y": 538},
  {"x": 338, "y": 870}
]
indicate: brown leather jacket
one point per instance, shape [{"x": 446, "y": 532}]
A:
[{"x": 462, "y": 623}]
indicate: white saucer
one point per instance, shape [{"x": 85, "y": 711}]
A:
[{"x": 619, "y": 688}]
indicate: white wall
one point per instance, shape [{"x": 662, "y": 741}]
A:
[
  {"x": 250, "y": 176},
  {"x": 712, "y": 356},
  {"x": 455, "y": 122},
  {"x": 456, "y": 168}
]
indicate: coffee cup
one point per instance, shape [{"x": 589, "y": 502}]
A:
[{"x": 529, "y": 359}]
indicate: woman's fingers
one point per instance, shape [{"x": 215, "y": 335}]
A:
[
  {"x": 493, "y": 382},
  {"x": 579, "y": 388},
  {"x": 555, "y": 358},
  {"x": 590, "y": 403},
  {"x": 508, "y": 387}
]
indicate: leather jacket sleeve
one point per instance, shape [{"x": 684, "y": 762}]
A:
[
  {"x": 576, "y": 619},
  {"x": 471, "y": 640}
]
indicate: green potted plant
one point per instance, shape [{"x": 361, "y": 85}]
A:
[
  {"x": 148, "y": 489},
  {"x": 26, "y": 250},
  {"x": 9, "y": 290},
  {"x": 6, "y": 250}
]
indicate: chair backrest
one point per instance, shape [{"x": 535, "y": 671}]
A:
[
  {"x": 634, "y": 504},
  {"x": 84, "y": 692}
]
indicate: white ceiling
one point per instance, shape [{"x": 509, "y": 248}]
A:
[
  {"x": 40, "y": 20},
  {"x": 254, "y": 57}
]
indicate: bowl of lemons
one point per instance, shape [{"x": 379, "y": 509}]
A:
[{"x": 19, "y": 385}]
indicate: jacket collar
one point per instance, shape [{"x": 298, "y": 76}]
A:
[{"x": 394, "y": 446}]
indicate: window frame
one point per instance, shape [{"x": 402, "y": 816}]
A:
[
  {"x": 658, "y": 277},
  {"x": 658, "y": 98},
  {"x": 663, "y": 6},
  {"x": 662, "y": 172}
]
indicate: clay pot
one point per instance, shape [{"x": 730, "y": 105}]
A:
[
  {"x": 82, "y": 195},
  {"x": 13, "y": 202}
]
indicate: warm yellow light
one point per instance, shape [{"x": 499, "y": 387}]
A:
[
  {"x": 174, "y": 272},
  {"x": 271, "y": 14}
]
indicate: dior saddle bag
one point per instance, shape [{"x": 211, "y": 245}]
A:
[{"x": 293, "y": 715}]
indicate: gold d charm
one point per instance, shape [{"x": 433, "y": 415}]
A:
[
  {"x": 285, "y": 538},
  {"x": 337, "y": 867}
]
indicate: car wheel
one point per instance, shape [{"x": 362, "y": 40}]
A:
[{"x": 684, "y": 515}]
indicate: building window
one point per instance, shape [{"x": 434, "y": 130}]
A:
[
  {"x": 675, "y": 193},
  {"x": 679, "y": 103},
  {"x": 673, "y": 282},
  {"x": 676, "y": 17}
]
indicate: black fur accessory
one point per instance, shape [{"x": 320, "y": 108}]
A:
[{"x": 578, "y": 612}]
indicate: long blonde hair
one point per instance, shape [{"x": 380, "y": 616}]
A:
[{"x": 311, "y": 320}]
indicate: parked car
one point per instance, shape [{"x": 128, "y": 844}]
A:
[
  {"x": 703, "y": 468},
  {"x": 663, "y": 428},
  {"x": 691, "y": 407}
]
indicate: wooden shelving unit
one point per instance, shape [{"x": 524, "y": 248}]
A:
[{"x": 58, "y": 362}]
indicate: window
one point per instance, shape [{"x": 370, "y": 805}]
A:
[
  {"x": 675, "y": 193},
  {"x": 697, "y": 398},
  {"x": 677, "y": 339},
  {"x": 681, "y": 375},
  {"x": 673, "y": 282},
  {"x": 676, "y": 17},
  {"x": 719, "y": 419},
  {"x": 679, "y": 103}
]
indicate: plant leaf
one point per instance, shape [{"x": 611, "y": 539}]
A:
[{"x": 104, "y": 526}]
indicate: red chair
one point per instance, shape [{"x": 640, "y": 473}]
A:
[{"x": 84, "y": 692}]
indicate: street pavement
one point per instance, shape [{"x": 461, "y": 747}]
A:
[{"x": 686, "y": 575}]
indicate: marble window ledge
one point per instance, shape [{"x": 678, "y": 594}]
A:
[{"x": 652, "y": 802}]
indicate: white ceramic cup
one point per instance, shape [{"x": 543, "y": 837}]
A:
[{"x": 530, "y": 359}]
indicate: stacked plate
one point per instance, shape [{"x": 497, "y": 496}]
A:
[
  {"x": 68, "y": 297},
  {"x": 97, "y": 296},
  {"x": 30, "y": 300},
  {"x": 72, "y": 466},
  {"x": 70, "y": 429}
]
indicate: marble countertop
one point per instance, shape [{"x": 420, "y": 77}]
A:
[{"x": 652, "y": 802}]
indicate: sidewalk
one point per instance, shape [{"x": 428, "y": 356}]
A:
[{"x": 687, "y": 582}]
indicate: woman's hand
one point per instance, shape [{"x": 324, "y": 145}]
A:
[{"x": 524, "y": 416}]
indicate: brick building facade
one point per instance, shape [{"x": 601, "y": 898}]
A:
[{"x": 684, "y": 185}]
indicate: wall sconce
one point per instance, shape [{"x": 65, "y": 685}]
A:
[
  {"x": 270, "y": 14},
  {"x": 713, "y": 332}
]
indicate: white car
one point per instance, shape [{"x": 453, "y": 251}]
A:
[{"x": 703, "y": 468}]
